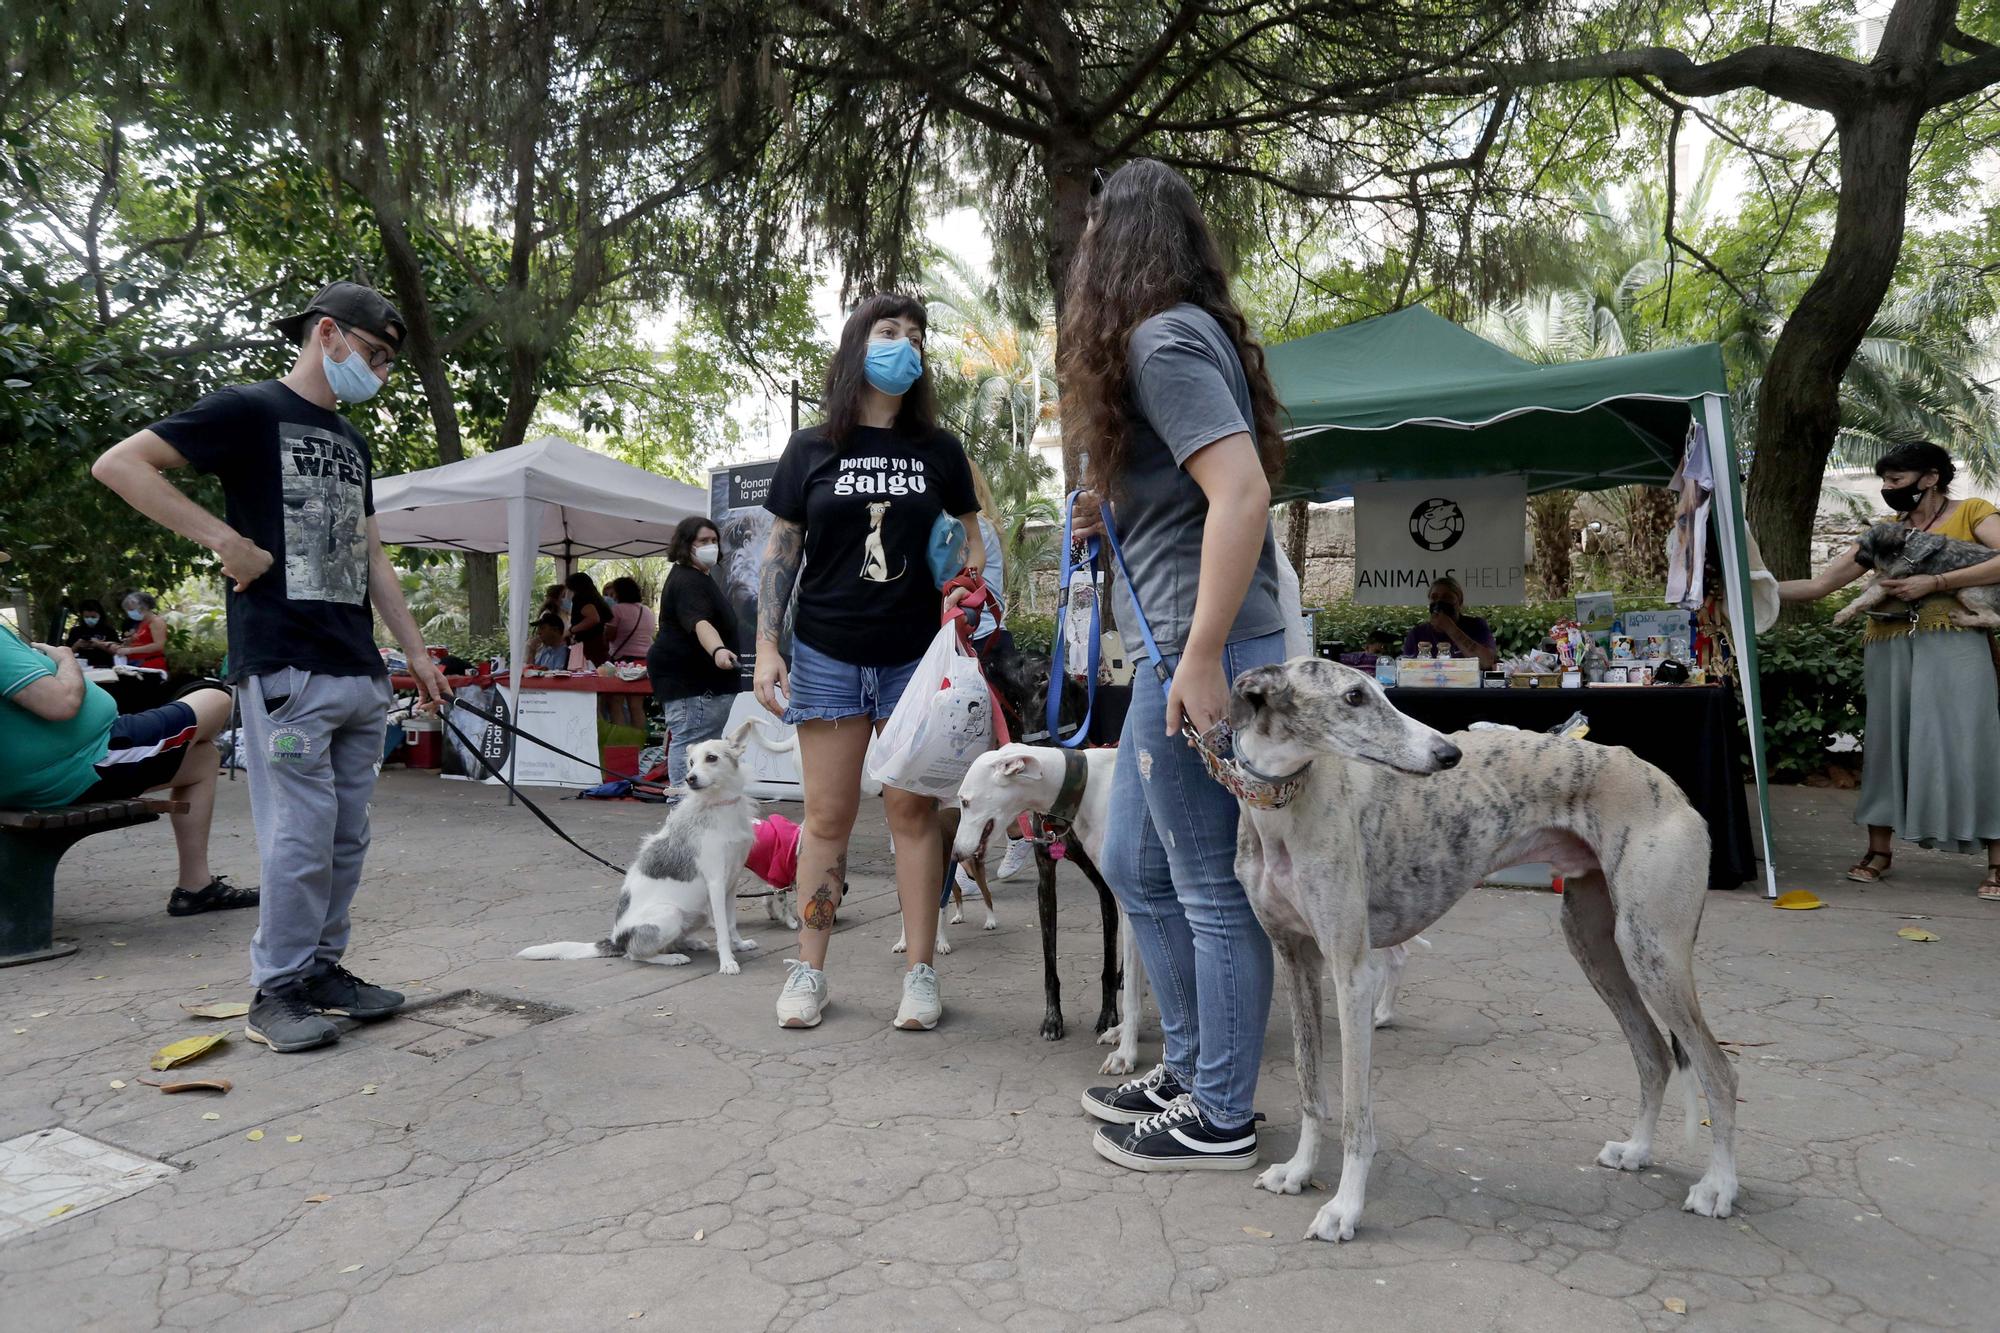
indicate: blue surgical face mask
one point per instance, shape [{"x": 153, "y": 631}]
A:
[
  {"x": 611, "y": 599},
  {"x": 893, "y": 365},
  {"x": 134, "y": 613},
  {"x": 90, "y": 620},
  {"x": 351, "y": 380}
]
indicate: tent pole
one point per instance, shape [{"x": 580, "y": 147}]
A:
[
  {"x": 524, "y": 521},
  {"x": 1730, "y": 527}
]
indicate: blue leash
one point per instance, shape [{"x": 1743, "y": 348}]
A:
[{"x": 1093, "y": 554}]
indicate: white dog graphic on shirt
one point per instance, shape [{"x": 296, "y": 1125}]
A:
[{"x": 874, "y": 559}]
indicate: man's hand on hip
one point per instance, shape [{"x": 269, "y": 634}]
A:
[{"x": 243, "y": 561}]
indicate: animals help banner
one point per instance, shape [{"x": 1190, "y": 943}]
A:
[{"x": 1409, "y": 534}]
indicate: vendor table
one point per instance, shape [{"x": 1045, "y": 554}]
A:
[
  {"x": 1689, "y": 732},
  {"x": 134, "y": 689},
  {"x": 561, "y": 710}
]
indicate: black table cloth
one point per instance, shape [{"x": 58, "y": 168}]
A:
[{"x": 1689, "y": 732}]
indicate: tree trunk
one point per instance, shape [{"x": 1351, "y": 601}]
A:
[
  {"x": 1649, "y": 518},
  {"x": 1798, "y": 404},
  {"x": 1069, "y": 204},
  {"x": 1549, "y": 520},
  {"x": 1298, "y": 534}
]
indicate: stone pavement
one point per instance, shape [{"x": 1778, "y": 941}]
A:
[{"x": 643, "y": 1147}]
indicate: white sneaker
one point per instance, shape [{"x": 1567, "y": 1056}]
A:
[
  {"x": 804, "y": 997},
  {"x": 921, "y": 1008},
  {"x": 1020, "y": 855},
  {"x": 966, "y": 884}
]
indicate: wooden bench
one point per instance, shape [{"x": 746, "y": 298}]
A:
[{"x": 32, "y": 842}]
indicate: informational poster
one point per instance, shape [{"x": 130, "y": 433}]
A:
[
  {"x": 566, "y": 719},
  {"x": 736, "y": 504},
  {"x": 1409, "y": 534}
]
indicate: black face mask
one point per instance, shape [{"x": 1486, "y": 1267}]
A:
[
  {"x": 1903, "y": 499},
  {"x": 1444, "y": 609}
]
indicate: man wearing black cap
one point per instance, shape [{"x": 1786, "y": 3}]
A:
[{"x": 304, "y": 560}]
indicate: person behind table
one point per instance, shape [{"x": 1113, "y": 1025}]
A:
[
  {"x": 555, "y": 601},
  {"x": 633, "y": 623},
  {"x": 855, "y": 499},
  {"x": 1167, "y": 390},
  {"x": 589, "y": 618},
  {"x": 1930, "y": 763},
  {"x": 1450, "y": 628},
  {"x": 67, "y": 743},
  {"x": 89, "y": 637},
  {"x": 693, "y": 659},
  {"x": 548, "y": 652},
  {"x": 307, "y": 572},
  {"x": 145, "y": 640}
]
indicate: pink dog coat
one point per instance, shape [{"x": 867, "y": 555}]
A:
[{"x": 774, "y": 856}]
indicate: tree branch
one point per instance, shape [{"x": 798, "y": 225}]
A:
[
  {"x": 1793, "y": 73},
  {"x": 1962, "y": 78}
]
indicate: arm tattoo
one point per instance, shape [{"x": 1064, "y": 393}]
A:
[
  {"x": 818, "y": 914},
  {"x": 781, "y": 572}
]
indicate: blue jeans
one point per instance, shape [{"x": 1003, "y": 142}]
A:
[
  {"x": 690, "y": 721},
  {"x": 826, "y": 689},
  {"x": 1170, "y": 857}
]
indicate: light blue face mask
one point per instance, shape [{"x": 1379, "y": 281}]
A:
[
  {"x": 893, "y": 365},
  {"x": 351, "y": 380}
]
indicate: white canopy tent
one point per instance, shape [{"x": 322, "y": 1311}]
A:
[{"x": 547, "y": 497}]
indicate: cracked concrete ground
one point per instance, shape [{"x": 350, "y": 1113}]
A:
[{"x": 667, "y": 1152}]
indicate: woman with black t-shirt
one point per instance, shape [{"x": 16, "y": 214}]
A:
[
  {"x": 692, "y": 660},
  {"x": 855, "y": 499},
  {"x": 589, "y": 618}
]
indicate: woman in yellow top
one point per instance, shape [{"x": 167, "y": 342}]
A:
[{"x": 1931, "y": 762}]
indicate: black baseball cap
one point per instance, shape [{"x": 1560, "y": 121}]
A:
[{"x": 352, "y": 305}]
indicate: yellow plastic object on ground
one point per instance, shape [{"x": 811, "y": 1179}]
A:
[{"x": 1799, "y": 900}]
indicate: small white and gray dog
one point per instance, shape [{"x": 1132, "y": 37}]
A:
[
  {"x": 684, "y": 875},
  {"x": 1898, "y": 551}
]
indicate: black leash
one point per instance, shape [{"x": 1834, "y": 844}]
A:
[
  {"x": 513, "y": 730},
  {"x": 444, "y": 713}
]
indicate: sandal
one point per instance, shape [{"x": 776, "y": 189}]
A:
[
  {"x": 1861, "y": 872},
  {"x": 218, "y": 895},
  {"x": 1989, "y": 888}
]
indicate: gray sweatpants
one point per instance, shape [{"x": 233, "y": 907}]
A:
[{"x": 312, "y": 743}]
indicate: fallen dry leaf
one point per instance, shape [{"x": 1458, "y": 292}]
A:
[
  {"x": 1253, "y": 1231},
  {"x": 1798, "y": 900},
  {"x": 873, "y": 1124},
  {"x": 319, "y": 1198},
  {"x": 60, "y": 1209},
  {"x": 98, "y": 977},
  {"x": 191, "y": 1085},
  {"x": 179, "y": 1053},
  {"x": 367, "y": 1089},
  {"x": 1916, "y": 933},
  {"x": 40, "y": 1013},
  {"x": 218, "y": 1009},
  {"x": 19, "y": 1031},
  {"x": 1675, "y": 1305},
  {"x": 118, "y": 944},
  {"x": 352, "y": 1268},
  {"x": 211, "y": 1115},
  {"x": 117, "y": 1082},
  {"x": 294, "y": 1138},
  {"x": 255, "y": 1135}
]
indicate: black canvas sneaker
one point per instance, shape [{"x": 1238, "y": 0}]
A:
[
  {"x": 1132, "y": 1101},
  {"x": 338, "y": 991},
  {"x": 1179, "y": 1138}
]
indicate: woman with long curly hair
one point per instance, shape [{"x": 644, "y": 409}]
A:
[
  {"x": 855, "y": 499},
  {"x": 1165, "y": 388}
]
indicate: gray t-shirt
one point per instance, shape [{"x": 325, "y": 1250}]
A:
[{"x": 1187, "y": 391}]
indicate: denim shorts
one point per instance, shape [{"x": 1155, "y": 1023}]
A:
[{"x": 826, "y": 689}]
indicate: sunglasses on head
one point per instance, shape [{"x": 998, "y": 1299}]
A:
[{"x": 1099, "y": 178}]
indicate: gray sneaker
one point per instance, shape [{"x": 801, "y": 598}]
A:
[
  {"x": 921, "y": 1007},
  {"x": 285, "y": 1020},
  {"x": 804, "y": 997},
  {"x": 339, "y": 992}
]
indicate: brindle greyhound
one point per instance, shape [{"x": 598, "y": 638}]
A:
[{"x": 1393, "y": 823}]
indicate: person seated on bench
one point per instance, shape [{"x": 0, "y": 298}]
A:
[{"x": 66, "y": 743}]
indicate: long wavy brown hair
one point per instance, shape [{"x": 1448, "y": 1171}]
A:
[
  {"x": 846, "y": 377},
  {"x": 1147, "y": 249}
]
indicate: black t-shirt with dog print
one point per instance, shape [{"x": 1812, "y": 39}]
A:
[{"x": 868, "y": 506}]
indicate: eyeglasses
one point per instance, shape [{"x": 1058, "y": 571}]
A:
[{"x": 378, "y": 356}]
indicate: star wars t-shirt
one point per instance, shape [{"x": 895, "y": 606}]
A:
[
  {"x": 298, "y": 481},
  {"x": 868, "y": 505}
]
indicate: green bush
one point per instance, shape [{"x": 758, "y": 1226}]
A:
[
  {"x": 193, "y": 651},
  {"x": 1032, "y": 633},
  {"x": 1516, "y": 629},
  {"x": 1812, "y": 690}
]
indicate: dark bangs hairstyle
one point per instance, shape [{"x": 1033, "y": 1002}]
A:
[
  {"x": 846, "y": 379},
  {"x": 1147, "y": 249},
  {"x": 1919, "y": 456}
]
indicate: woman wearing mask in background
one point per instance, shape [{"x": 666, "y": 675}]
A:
[
  {"x": 145, "y": 643},
  {"x": 1930, "y": 766},
  {"x": 1167, "y": 391},
  {"x": 629, "y": 639},
  {"x": 89, "y": 638},
  {"x": 693, "y": 659},
  {"x": 589, "y": 618},
  {"x": 855, "y": 500}
]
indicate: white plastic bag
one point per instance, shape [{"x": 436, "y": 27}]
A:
[{"x": 942, "y": 723}]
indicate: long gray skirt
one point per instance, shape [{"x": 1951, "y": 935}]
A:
[{"x": 1931, "y": 759}]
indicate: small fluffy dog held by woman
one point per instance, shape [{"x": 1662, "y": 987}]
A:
[{"x": 684, "y": 875}]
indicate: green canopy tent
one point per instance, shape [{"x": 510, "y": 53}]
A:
[{"x": 1412, "y": 396}]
